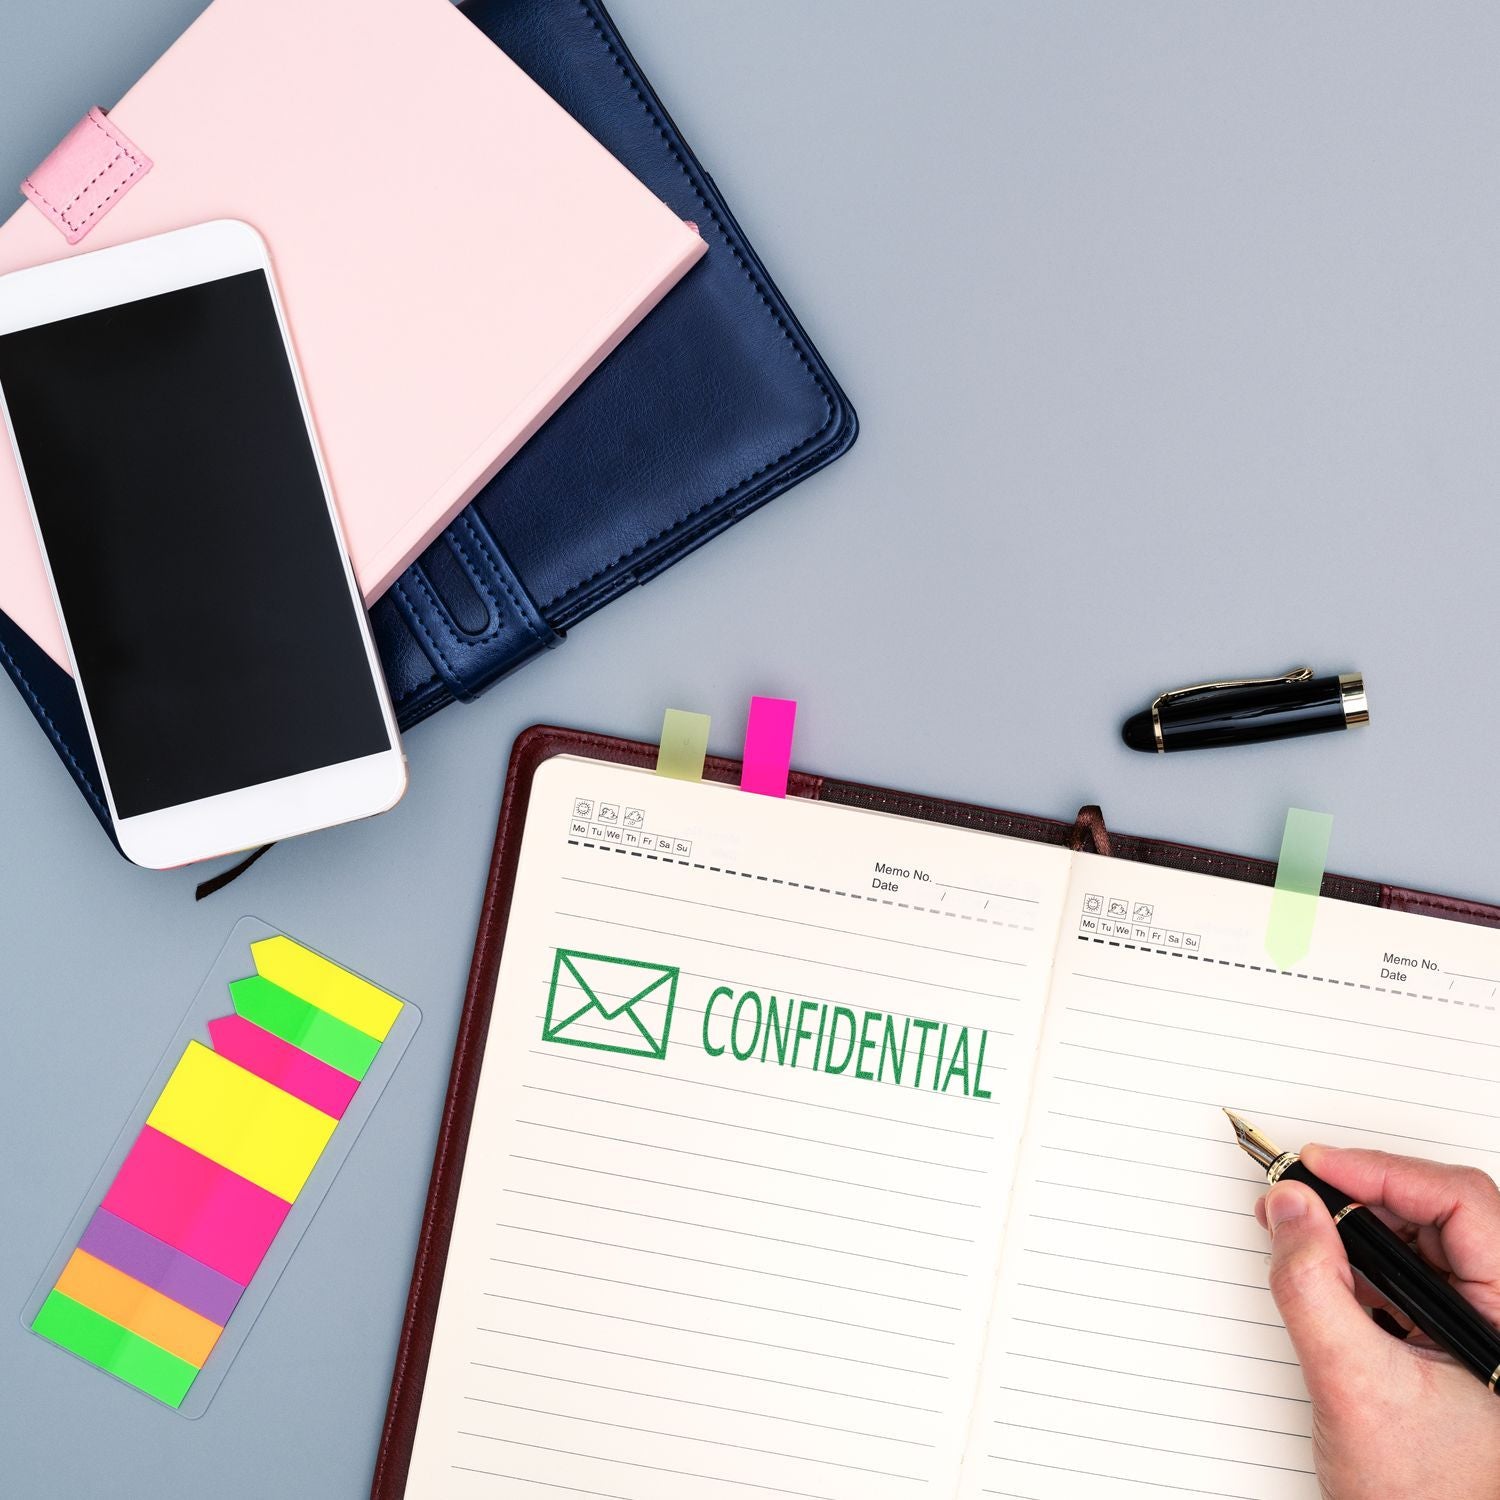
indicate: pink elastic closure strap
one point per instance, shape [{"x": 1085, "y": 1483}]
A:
[{"x": 88, "y": 173}]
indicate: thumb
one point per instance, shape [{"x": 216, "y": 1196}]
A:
[{"x": 1339, "y": 1347}]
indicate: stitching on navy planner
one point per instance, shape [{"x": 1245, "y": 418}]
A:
[
  {"x": 419, "y": 687},
  {"x": 801, "y": 885},
  {"x": 1224, "y": 963},
  {"x": 53, "y": 732},
  {"x": 525, "y": 610},
  {"x": 760, "y": 290},
  {"x": 417, "y": 620},
  {"x": 471, "y": 568}
]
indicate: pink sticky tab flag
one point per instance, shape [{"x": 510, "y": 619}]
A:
[
  {"x": 768, "y": 746},
  {"x": 300, "y": 1073},
  {"x": 195, "y": 1205}
]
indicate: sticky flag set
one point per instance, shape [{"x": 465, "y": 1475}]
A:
[{"x": 234, "y": 1142}]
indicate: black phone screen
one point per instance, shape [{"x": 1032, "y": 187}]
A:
[{"x": 183, "y": 517}]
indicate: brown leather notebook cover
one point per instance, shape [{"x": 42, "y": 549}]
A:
[{"x": 540, "y": 744}]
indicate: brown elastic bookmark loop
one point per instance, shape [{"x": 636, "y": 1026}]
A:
[
  {"x": 1089, "y": 830},
  {"x": 229, "y": 876}
]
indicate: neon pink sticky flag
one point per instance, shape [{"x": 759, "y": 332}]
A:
[
  {"x": 300, "y": 1073},
  {"x": 768, "y": 746},
  {"x": 195, "y": 1205}
]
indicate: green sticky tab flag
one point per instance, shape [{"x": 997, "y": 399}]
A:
[
  {"x": 103, "y": 1343},
  {"x": 291, "y": 1018},
  {"x": 1299, "y": 878},
  {"x": 684, "y": 744}
]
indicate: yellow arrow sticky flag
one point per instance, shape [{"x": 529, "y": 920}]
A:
[{"x": 322, "y": 983}]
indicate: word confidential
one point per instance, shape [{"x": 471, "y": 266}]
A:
[{"x": 876, "y": 1046}]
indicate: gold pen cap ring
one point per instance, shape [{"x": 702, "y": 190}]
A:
[{"x": 1356, "y": 703}]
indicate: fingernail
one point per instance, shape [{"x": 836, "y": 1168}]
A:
[{"x": 1283, "y": 1205}]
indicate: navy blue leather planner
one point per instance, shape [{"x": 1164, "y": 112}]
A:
[{"x": 715, "y": 404}]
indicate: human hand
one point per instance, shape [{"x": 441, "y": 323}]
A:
[{"x": 1392, "y": 1419}]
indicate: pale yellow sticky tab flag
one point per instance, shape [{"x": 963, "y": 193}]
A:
[
  {"x": 261, "y": 1132},
  {"x": 322, "y": 983}
]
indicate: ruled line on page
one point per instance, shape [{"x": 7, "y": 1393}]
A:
[
  {"x": 743, "y": 1233},
  {"x": 1187, "y": 1312},
  {"x": 655, "y": 1468},
  {"x": 1249, "y": 1178},
  {"x": 688, "y": 1187},
  {"x": 1151, "y": 1234},
  {"x": 707, "y": 1333},
  {"x": 919, "y": 1161},
  {"x": 545, "y": 1484},
  {"x": 759, "y": 1166},
  {"x": 1119, "y": 1265},
  {"x": 650, "y": 1359},
  {"x": 670, "y": 1291},
  {"x": 1204, "y": 1385},
  {"x": 1088, "y": 1437},
  {"x": 712, "y": 1442},
  {"x": 763, "y": 1097},
  {"x": 1320, "y": 1085},
  {"x": 1131, "y": 1338},
  {"x": 1280, "y": 1044},
  {"x": 1170, "y": 1416},
  {"x": 1084, "y": 1187},
  {"x": 1281, "y": 1010},
  {"x": 1280, "y": 1115},
  {"x": 730, "y": 1266},
  {"x": 969, "y": 890},
  {"x": 1154, "y": 1484},
  {"x": 739, "y": 1411}
]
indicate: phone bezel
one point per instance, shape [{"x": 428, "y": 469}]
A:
[{"x": 267, "y": 811}]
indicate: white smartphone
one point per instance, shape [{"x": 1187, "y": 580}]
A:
[{"x": 214, "y": 626}]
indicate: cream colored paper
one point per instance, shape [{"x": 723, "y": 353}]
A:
[{"x": 700, "y": 1276}]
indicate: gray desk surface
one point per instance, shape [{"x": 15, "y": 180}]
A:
[{"x": 1173, "y": 331}]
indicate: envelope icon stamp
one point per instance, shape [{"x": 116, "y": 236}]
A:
[{"x": 610, "y": 1004}]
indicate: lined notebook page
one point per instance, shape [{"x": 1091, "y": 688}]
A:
[
  {"x": 707, "y": 1277},
  {"x": 1137, "y": 1354}
]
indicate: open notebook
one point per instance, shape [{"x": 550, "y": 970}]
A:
[{"x": 821, "y": 1152}]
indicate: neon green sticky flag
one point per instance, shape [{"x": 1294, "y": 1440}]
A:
[{"x": 1299, "y": 878}]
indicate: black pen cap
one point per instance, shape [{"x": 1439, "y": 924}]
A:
[{"x": 1139, "y": 732}]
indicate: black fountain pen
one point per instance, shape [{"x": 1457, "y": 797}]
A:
[
  {"x": 1248, "y": 710},
  {"x": 1388, "y": 1263}
]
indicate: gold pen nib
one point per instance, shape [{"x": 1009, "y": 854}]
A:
[{"x": 1252, "y": 1142}]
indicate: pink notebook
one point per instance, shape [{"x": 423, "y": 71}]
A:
[{"x": 455, "y": 253}]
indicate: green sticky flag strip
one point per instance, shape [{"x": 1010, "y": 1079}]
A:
[
  {"x": 105, "y": 1344},
  {"x": 291, "y": 1018},
  {"x": 684, "y": 745},
  {"x": 1299, "y": 878}
]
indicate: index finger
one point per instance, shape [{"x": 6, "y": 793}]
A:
[{"x": 1462, "y": 1203}]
